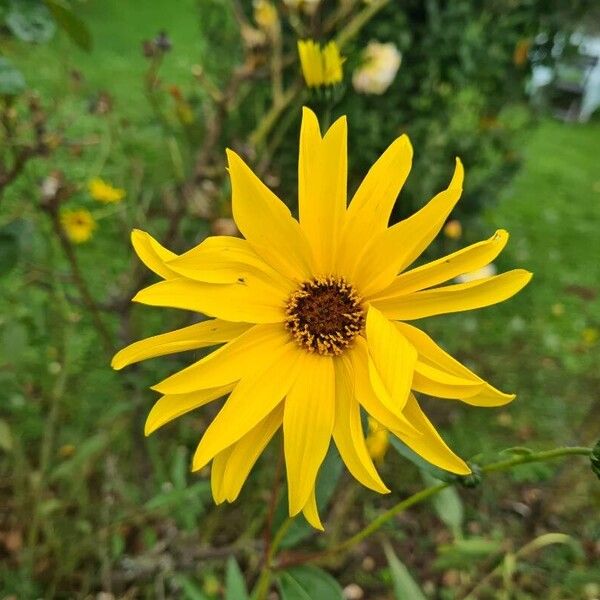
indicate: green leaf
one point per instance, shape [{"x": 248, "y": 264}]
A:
[
  {"x": 12, "y": 82},
  {"x": 411, "y": 455},
  {"x": 308, "y": 583},
  {"x": 30, "y": 21},
  {"x": 70, "y": 23},
  {"x": 235, "y": 586},
  {"x": 191, "y": 590},
  {"x": 405, "y": 587},
  {"x": 447, "y": 504}
]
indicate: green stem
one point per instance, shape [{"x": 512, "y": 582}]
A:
[
  {"x": 264, "y": 581},
  {"x": 359, "y": 21}
]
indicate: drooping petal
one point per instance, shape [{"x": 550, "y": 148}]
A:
[
  {"x": 254, "y": 397},
  {"x": 253, "y": 300},
  {"x": 357, "y": 363},
  {"x": 432, "y": 353},
  {"x": 439, "y": 271},
  {"x": 267, "y": 223},
  {"x": 307, "y": 426},
  {"x": 430, "y": 445},
  {"x": 217, "y": 475},
  {"x": 245, "y": 452},
  {"x": 436, "y": 382},
  {"x": 169, "y": 407},
  {"x": 224, "y": 259},
  {"x": 454, "y": 298},
  {"x": 348, "y": 432},
  {"x": 230, "y": 363},
  {"x": 397, "y": 247},
  {"x": 311, "y": 511},
  {"x": 322, "y": 188},
  {"x": 369, "y": 212},
  {"x": 199, "y": 335},
  {"x": 392, "y": 361},
  {"x": 152, "y": 254}
]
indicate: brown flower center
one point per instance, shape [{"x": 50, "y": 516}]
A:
[{"x": 324, "y": 315}]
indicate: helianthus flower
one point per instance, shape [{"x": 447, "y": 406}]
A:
[
  {"x": 314, "y": 317},
  {"x": 78, "y": 224},
  {"x": 320, "y": 66},
  {"x": 104, "y": 192}
]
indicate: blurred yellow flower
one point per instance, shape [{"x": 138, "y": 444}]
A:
[
  {"x": 307, "y": 6},
  {"x": 78, "y": 225},
  {"x": 265, "y": 15},
  {"x": 320, "y": 66},
  {"x": 453, "y": 229},
  {"x": 378, "y": 440},
  {"x": 590, "y": 336},
  {"x": 104, "y": 192},
  {"x": 378, "y": 69},
  {"x": 313, "y": 317}
]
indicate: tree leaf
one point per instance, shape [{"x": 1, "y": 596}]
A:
[
  {"x": 234, "y": 582},
  {"x": 405, "y": 587},
  {"x": 30, "y": 21},
  {"x": 12, "y": 83},
  {"x": 70, "y": 23},
  {"x": 308, "y": 583}
]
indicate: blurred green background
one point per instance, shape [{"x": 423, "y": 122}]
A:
[{"x": 89, "y": 508}]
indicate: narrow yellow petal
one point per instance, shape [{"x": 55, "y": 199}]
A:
[
  {"x": 230, "y": 363},
  {"x": 466, "y": 260},
  {"x": 168, "y": 408},
  {"x": 348, "y": 432},
  {"x": 372, "y": 204},
  {"x": 394, "y": 249},
  {"x": 246, "y": 451},
  {"x": 454, "y": 298},
  {"x": 323, "y": 201},
  {"x": 266, "y": 222},
  {"x": 310, "y": 142},
  {"x": 152, "y": 254},
  {"x": 430, "y": 445},
  {"x": 224, "y": 259},
  {"x": 252, "y": 300},
  {"x": 307, "y": 426},
  {"x": 392, "y": 361},
  {"x": 432, "y": 353},
  {"x": 311, "y": 511},
  {"x": 217, "y": 475},
  {"x": 254, "y": 397},
  {"x": 199, "y": 335},
  {"x": 441, "y": 384}
]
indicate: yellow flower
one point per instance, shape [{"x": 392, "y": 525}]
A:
[
  {"x": 78, "y": 225},
  {"x": 380, "y": 65},
  {"x": 314, "y": 317},
  {"x": 320, "y": 66},
  {"x": 453, "y": 229},
  {"x": 265, "y": 15},
  {"x": 378, "y": 440},
  {"x": 104, "y": 192}
]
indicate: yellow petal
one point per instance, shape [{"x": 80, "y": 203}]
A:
[
  {"x": 252, "y": 300},
  {"x": 466, "y": 260},
  {"x": 371, "y": 207},
  {"x": 311, "y": 512},
  {"x": 229, "y": 363},
  {"x": 357, "y": 360},
  {"x": 430, "y": 445},
  {"x": 254, "y": 397},
  {"x": 199, "y": 335},
  {"x": 168, "y": 408},
  {"x": 307, "y": 426},
  {"x": 267, "y": 223},
  {"x": 429, "y": 351},
  {"x": 392, "y": 361},
  {"x": 245, "y": 453},
  {"x": 152, "y": 254},
  {"x": 323, "y": 186},
  {"x": 441, "y": 384},
  {"x": 454, "y": 298},
  {"x": 348, "y": 432},
  {"x": 224, "y": 259},
  {"x": 217, "y": 475},
  {"x": 394, "y": 249}
]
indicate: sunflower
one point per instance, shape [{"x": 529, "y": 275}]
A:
[{"x": 313, "y": 315}]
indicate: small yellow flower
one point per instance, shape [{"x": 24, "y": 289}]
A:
[
  {"x": 265, "y": 15},
  {"x": 453, "y": 229},
  {"x": 320, "y": 66},
  {"x": 314, "y": 315},
  {"x": 378, "y": 440},
  {"x": 380, "y": 65},
  {"x": 104, "y": 192},
  {"x": 78, "y": 225},
  {"x": 590, "y": 336}
]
